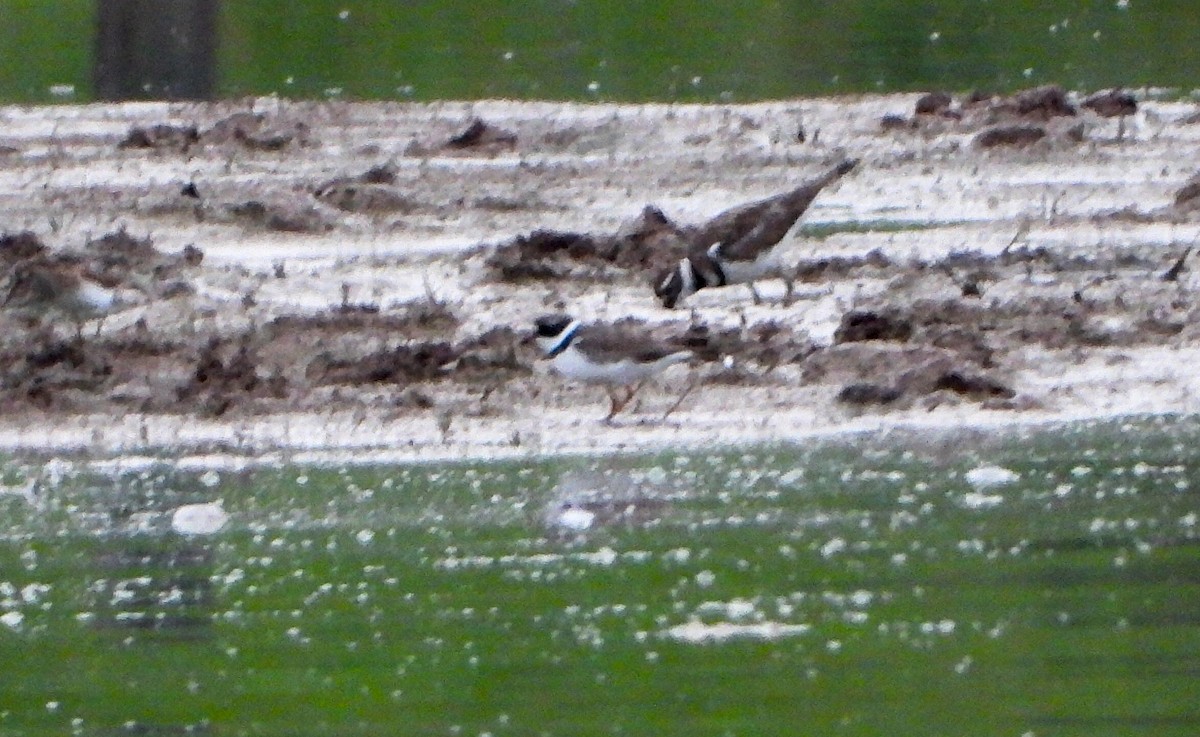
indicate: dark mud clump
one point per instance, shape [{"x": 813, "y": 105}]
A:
[
  {"x": 1177, "y": 268},
  {"x": 227, "y": 373},
  {"x": 767, "y": 344},
  {"x": 53, "y": 375},
  {"x": 651, "y": 241},
  {"x": 423, "y": 356},
  {"x": 280, "y": 215},
  {"x": 867, "y": 394},
  {"x": 255, "y": 131},
  {"x": 552, "y": 254},
  {"x": 403, "y": 364},
  {"x": 282, "y": 365},
  {"x": 646, "y": 242},
  {"x": 121, "y": 258},
  {"x": 494, "y": 356},
  {"x": 884, "y": 373},
  {"x": 258, "y": 132},
  {"x": 974, "y": 386},
  {"x": 161, "y": 136},
  {"x": 1111, "y": 103},
  {"x": 1020, "y": 119},
  {"x": 860, "y": 325},
  {"x": 896, "y": 122},
  {"x": 480, "y": 134},
  {"x": 1045, "y": 102},
  {"x": 16, "y": 247},
  {"x": 1010, "y": 135},
  {"x": 935, "y": 103},
  {"x": 826, "y": 268}
]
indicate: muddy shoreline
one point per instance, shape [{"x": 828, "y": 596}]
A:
[{"x": 355, "y": 279}]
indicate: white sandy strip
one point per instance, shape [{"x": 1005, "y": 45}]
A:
[
  {"x": 691, "y": 160},
  {"x": 339, "y": 439},
  {"x": 1091, "y": 390}
]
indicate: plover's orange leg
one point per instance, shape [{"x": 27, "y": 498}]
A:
[
  {"x": 634, "y": 390},
  {"x": 614, "y": 405},
  {"x": 682, "y": 397},
  {"x": 619, "y": 403}
]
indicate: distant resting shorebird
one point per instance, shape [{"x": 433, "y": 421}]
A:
[{"x": 37, "y": 289}]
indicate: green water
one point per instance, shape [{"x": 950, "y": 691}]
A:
[
  {"x": 865, "y": 588},
  {"x": 632, "y": 50}
]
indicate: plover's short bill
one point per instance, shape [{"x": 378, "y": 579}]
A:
[
  {"x": 36, "y": 289},
  {"x": 738, "y": 246},
  {"x": 619, "y": 360}
]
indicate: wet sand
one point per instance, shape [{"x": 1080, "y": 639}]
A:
[{"x": 319, "y": 281}]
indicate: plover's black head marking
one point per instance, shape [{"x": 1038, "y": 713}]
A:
[
  {"x": 555, "y": 333},
  {"x": 668, "y": 286},
  {"x": 700, "y": 270},
  {"x": 551, "y": 326}
]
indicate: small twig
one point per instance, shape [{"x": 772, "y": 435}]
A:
[
  {"x": 445, "y": 418},
  {"x": 682, "y": 397},
  {"x": 1022, "y": 231},
  {"x": 430, "y": 297},
  {"x": 1054, "y": 205},
  {"x": 1172, "y": 274}
]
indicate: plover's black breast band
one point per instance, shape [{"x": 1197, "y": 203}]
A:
[{"x": 563, "y": 342}]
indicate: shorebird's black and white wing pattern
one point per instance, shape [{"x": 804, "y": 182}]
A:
[
  {"x": 748, "y": 230},
  {"x": 736, "y": 246}
]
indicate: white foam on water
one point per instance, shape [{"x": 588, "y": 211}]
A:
[
  {"x": 199, "y": 519},
  {"x": 989, "y": 477},
  {"x": 700, "y": 633}
]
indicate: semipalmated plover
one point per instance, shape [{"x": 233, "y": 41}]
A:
[
  {"x": 36, "y": 289},
  {"x": 737, "y": 246},
  {"x": 619, "y": 360}
]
